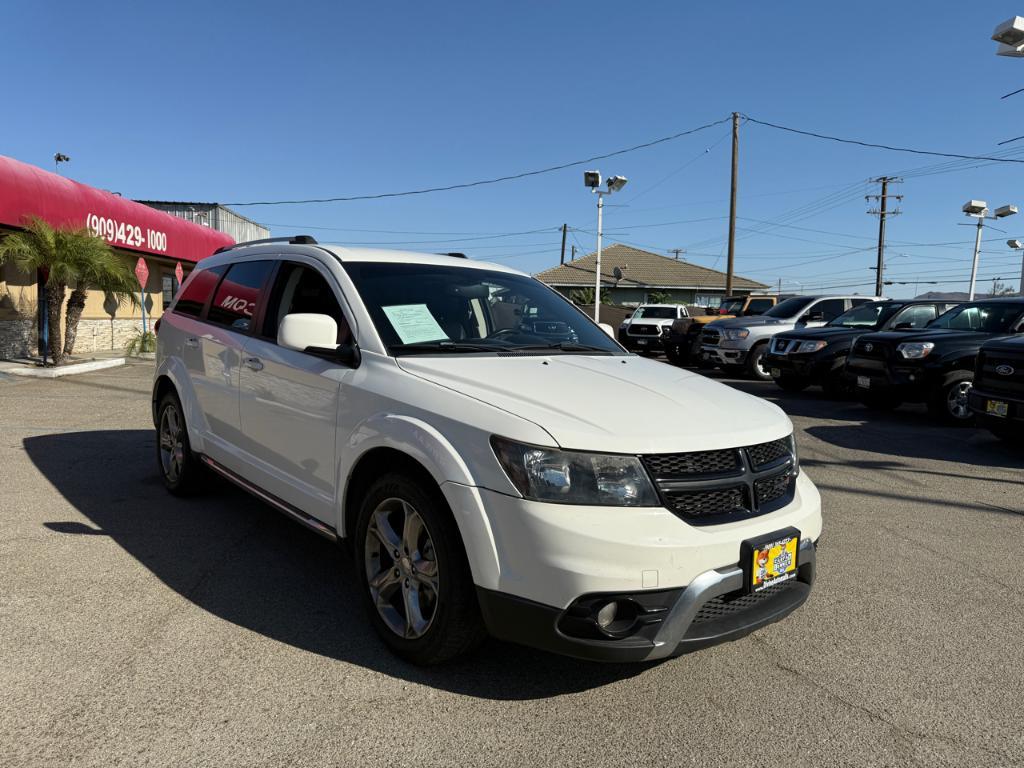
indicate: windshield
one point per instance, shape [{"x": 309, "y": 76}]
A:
[
  {"x": 789, "y": 307},
  {"x": 986, "y": 318},
  {"x": 425, "y": 308},
  {"x": 871, "y": 315},
  {"x": 731, "y": 306},
  {"x": 655, "y": 313}
]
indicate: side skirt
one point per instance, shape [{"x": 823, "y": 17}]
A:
[{"x": 281, "y": 506}]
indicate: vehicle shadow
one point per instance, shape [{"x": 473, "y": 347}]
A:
[{"x": 238, "y": 559}]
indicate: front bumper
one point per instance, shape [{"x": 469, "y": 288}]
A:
[
  {"x": 904, "y": 382},
  {"x": 724, "y": 355},
  {"x": 711, "y": 610},
  {"x": 642, "y": 343},
  {"x": 978, "y": 399},
  {"x": 806, "y": 366},
  {"x": 532, "y": 559}
]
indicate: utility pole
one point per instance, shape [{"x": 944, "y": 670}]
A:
[
  {"x": 882, "y": 211},
  {"x": 779, "y": 292},
  {"x": 564, "y": 228},
  {"x": 732, "y": 201},
  {"x": 677, "y": 252},
  {"x": 573, "y": 254}
]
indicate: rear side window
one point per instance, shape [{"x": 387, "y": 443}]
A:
[
  {"x": 830, "y": 309},
  {"x": 198, "y": 290},
  {"x": 235, "y": 302},
  {"x": 759, "y": 306}
]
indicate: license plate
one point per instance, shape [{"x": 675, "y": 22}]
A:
[
  {"x": 641, "y": 342},
  {"x": 776, "y": 373},
  {"x": 997, "y": 408},
  {"x": 770, "y": 560},
  {"x": 864, "y": 382}
]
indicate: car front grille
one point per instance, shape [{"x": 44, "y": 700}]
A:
[
  {"x": 711, "y": 337},
  {"x": 719, "y": 486},
  {"x": 872, "y": 349},
  {"x": 781, "y": 346},
  {"x": 1000, "y": 373},
  {"x": 644, "y": 330}
]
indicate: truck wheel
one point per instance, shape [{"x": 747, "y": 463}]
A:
[
  {"x": 948, "y": 402},
  {"x": 792, "y": 383},
  {"x": 180, "y": 469},
  {"x": 416, "y": 581},
  {"x": 673, "y": 355},
  {"x": 755, "y": 363}
]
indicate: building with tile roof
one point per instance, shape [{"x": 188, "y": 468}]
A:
[{"x": 644, "y": 275}]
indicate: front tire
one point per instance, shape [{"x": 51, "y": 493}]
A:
[
  {"x": 180, "y": 468},
  {"x": 414, "y": 574},
  {"x": 948, "y": 402},
  {"x": 755, "y": 363}
]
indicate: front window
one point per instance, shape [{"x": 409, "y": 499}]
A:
[
  {"x": 425, "y": 308},
  {"x": 655, "y": 313},
  {"x": 872, "y": 315},
  {"x": 789, "y": 307},
  {"x": 986, "y": 318},
  {"x": 731, "y": 306}
]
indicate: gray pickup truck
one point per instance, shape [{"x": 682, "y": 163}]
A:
[{"x": 738, "y": 345}]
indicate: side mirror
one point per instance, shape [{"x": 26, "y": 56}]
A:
[
  {"x": 317, "y": 335},
  {"x": 812, "y": 317},
  {"x": 607, "y": 329}
]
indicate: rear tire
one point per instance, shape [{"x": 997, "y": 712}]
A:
[
  {"x": 755, "y": 363},
  {"x": 415, "y": 578},
  {"x": 948, "y": 402},
  {"x": 792, "y": 383},
  {"x": 182, "y": 472}
]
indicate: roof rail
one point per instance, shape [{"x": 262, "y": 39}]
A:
[{"x": 294, "y": 240}]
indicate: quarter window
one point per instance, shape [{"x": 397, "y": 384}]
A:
[
  {"x": 197, "y": 291},
  {"x": 235, "y": 302},
  {"x": 830, "y": 309}
]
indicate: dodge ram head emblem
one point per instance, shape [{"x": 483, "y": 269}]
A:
[{"x": 1004, "y": 370}]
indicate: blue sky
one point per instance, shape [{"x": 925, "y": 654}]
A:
[{"x": 252, "y": 101}]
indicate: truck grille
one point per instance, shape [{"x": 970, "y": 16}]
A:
[
  {"x": 644, "y": 330},
  {"x": 711, "y": 337},
  {"x": 719, "y": 486},
  {"x": 871, "y": 349},
  {"x": 781, "y": 346},
  {"x": 1000, "y": 372}
]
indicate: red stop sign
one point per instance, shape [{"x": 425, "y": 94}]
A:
[
  {"x": 179, "y": 273},
  {"x": 141, "y": 272}
]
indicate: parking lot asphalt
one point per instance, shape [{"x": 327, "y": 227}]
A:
[{"x": 138, "y": 629}]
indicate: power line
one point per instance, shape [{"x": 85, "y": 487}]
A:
[
  {"x": 882, "y": 146},
  {"x": 482, "y": 182}
]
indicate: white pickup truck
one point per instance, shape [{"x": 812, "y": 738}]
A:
[{"x": 647, "y": 328}]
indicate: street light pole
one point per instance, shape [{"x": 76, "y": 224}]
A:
[
  {"x": 597, "y": 278},
  {"x": 977, "y": 252}
]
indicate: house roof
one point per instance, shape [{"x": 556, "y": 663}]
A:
[{"x": 641, "y": 269}]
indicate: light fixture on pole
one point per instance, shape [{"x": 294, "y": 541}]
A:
[
  {"x": 592, "y": 179},
  {"x": 1010, "y": 36},
  {"x": 58, "y": 158},
  {"x": 978, "y": 209},
  {"x": 1017, "y": 245}
]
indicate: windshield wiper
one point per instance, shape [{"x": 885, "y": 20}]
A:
[
  {"x": 440, "y": 346},
  {"x": 563, "y": 346}
]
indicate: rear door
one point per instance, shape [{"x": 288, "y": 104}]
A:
[
  {"x": 289, "y": 400},
  {"x": 214, "y": 354}
]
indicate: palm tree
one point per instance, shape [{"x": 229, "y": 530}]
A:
[
  {"x": 97, "y": 268},
  {"x": 67, "y": 256}
]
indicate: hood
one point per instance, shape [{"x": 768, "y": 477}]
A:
[
  {"x": 937, "y": 335},
  {"x": 617, "y": 404},
  {"x": 652, "y": 320},
  {"x": 835, "y": 333},
  {"x": 752, "y": 322}
]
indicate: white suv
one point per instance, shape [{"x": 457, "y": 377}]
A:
[{"x": 495, "y": 462}]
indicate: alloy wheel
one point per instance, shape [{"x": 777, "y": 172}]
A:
[
  {"x": 956, "y": 400},
  {"x": 401, "y": 568},
  {"x": 172, "y": 446}
]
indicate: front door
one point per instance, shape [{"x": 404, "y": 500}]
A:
[{"x": 289, "y": 400}]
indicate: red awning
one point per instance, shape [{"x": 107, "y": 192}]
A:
[{"x": 26, "y": 190}]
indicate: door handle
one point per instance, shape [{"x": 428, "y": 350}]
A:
[
  {"x": 254, "y": 363},
  {"x": 192, "y": 342}
]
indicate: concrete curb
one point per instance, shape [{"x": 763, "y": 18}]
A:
[{"x": 66, "y": 370}]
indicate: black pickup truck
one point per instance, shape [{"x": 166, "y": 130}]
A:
[
  {"x": 997, "y": 397},
  {"x": 934, "y": 365},
  {"x": 799, "y": 358}
]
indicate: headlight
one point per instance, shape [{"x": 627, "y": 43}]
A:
[
  {"x": 734, "y": 334},
  {"x": 811, "y": 346},
  {"x": 568, "y": 477},
  {"x": 915, "y": 350}
]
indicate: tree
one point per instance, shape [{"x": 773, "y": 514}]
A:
[
  {"x": 659, "y": 297},
  {"x": 585, "y": 296},
  {"x": 67, "y": 256}
]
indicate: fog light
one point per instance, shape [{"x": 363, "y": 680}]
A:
[{"x": 607, "y": 614}]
